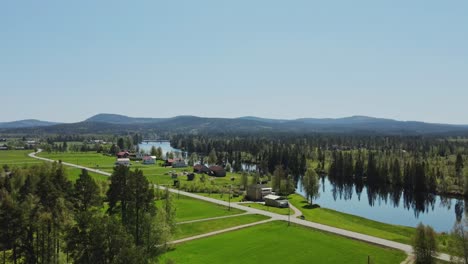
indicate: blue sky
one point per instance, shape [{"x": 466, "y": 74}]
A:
[{"x": 65, "y": 61}]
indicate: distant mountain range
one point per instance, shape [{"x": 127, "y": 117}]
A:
[
  {"x": 26, "y": 123},
  {"x": 112, "y": 123}
]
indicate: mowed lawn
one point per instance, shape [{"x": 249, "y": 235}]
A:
[
  {"x": 402, "y": 234},
  {"x": 282, "y": 211},
  {"x": 17, "y": 158},
  {"x": 197, "y": 228},
  {"x": 275, "y": 242},
  {"x": 191, "y": 209}
]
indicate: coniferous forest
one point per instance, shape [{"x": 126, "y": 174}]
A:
[{"x": 46, "y": 218}]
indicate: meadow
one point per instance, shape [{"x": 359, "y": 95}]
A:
[{"x": 275, "y": 242}]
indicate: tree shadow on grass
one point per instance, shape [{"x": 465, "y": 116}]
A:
[{"x": 311, "y": 206}]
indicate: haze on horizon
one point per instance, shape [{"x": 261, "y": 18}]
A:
[{"x": 66, "y": 61}]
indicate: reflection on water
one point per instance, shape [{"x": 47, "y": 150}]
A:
[
  {"x": 165, "y": 146},
  {"x": 393, "y": 206}
]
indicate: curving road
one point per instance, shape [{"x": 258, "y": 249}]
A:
[{"x": 358, "y": 236}]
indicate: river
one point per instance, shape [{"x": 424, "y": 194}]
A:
[
  {"x": 440, "y": 213},
  {"x": 164, "y": 145}
]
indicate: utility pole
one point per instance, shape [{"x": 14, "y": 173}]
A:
[{"x": 230, "y": 187}]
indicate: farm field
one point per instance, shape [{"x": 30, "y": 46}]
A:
[
  {"x": 197, "y": 228},
  {"x": 276, "y": 243},
  {"x": 17, "y": 158}
]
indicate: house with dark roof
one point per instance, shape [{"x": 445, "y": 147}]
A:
[
  {"x": 217, "y": 171},
  {"x": 200, "y": 168},
  {"x": 123, "y": 154}
]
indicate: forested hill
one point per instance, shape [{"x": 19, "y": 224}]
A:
[
  {"x": 110, "y": 123},
  {"x": 25, "y": 123}
]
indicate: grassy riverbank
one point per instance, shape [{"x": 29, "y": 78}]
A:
[{"x": 397, "y": 233}]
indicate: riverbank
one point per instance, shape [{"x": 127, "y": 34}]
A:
[{"x": 397, "y": 233}]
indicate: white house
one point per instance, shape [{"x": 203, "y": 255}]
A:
[{"x": 123, "y": 161}]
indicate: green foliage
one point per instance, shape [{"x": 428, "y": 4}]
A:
[
  {"x": 311, "y": 184},
  {"x": 424, "y": 244},
  {"x": 458, "y": 244},
  {"x": 212, "y": 157},
  {"x": 86, "y": 192}
]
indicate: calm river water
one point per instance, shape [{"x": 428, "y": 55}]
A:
[
  {"x": 441, "y": 214},
  {"x": 165, "y": 146}
]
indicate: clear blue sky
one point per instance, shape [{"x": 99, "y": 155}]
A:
[{"x": 68, "y": 60}]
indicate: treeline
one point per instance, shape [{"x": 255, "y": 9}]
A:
[
  {"x": 45, "y": 218},
  {"x": 400, "y": 171}
]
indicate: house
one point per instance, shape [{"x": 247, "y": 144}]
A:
[
  {"x": 256, "y": 192},
  {"x": 123, "y": 154},
  {"x": 149, "y": 160},
  {"x": 199, "y": 168},
  {"x": 123, "y": 161},
  {"x": 217, "y": 171},
  {"x": 3, "y": 139},
  {"x": 175, "y": 163},
  {"x": 4, "y": 147},
  {"x": 276, "y": 201}
]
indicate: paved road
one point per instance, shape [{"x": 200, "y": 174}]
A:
[{"x": 366, "y": 238}]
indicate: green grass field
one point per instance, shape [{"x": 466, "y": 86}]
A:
[
  {"x": 276, "y": 243},
  {"x": 282, "y": 211},
  {"x": 192, "y": 209},
  {"x": 354, "y": 223},
  {"x": 20, "y": 158},
  {"x": 222, "y": 197},
  {"x": 197, "y": 228},
  {"x": 17, "y": 158}
]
